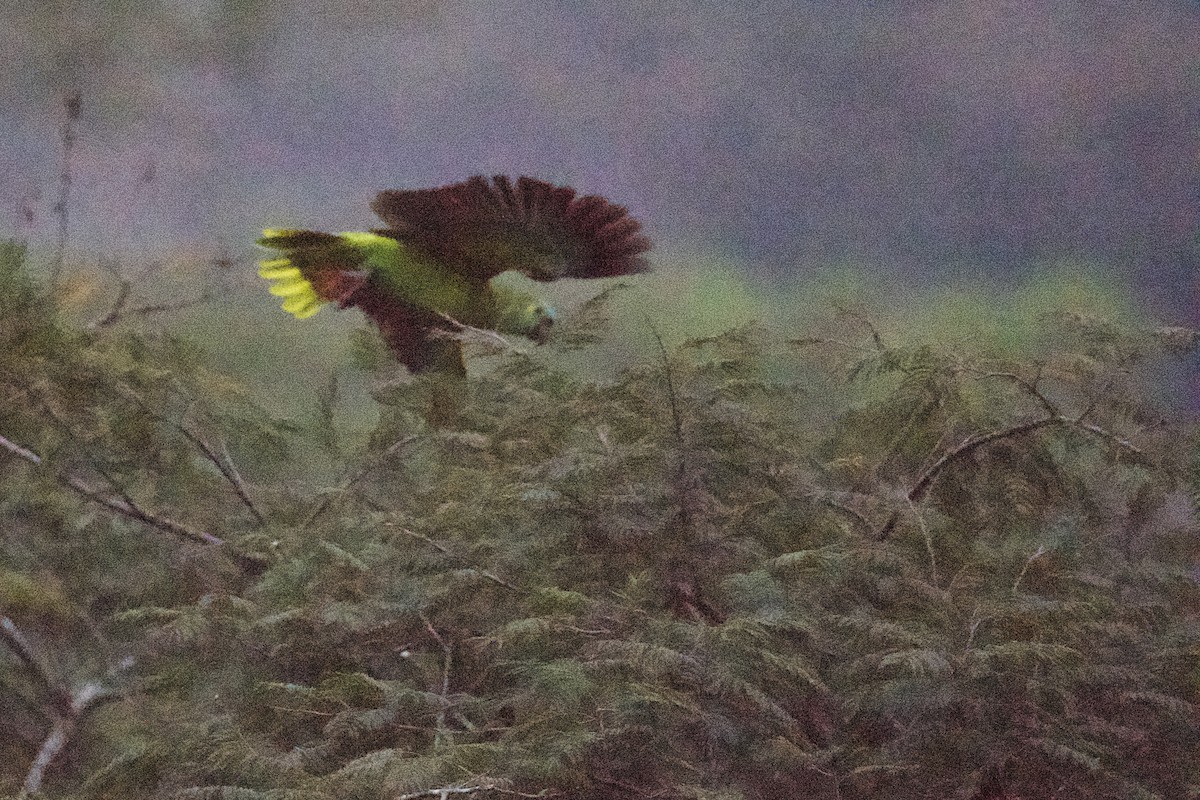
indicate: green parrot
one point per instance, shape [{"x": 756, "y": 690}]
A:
[{"x": 431, "y": 269}]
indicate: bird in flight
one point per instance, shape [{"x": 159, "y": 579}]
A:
[{"x": 431, "y": 269}]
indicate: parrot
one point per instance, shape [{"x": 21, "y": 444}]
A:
[{"x": 431, "y": 269}]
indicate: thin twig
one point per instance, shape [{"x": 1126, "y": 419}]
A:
[
  {"x": 235, "y": 477},
  {"x": 62, "y": 208},
  {"x": 441, "y": 548},
  {"x": 494, "y": 578},
  {"x": 976, "y": 621},
  {"x": 620, "y": 784},
  {"x": 836, "y": 500},
  {"x": 486, "y": 334},
  {"x": 669, "y": 375},
  {"x": 223, "y": 461},
  {"x": 120, "y": 309},
  {"x": 1041, "y": 551},
  {"x": 866, "y": 322},
  {"x": 863, "y": 522},
  {"x": 444, "y": 791},
  {"x": 227, "y": 469},
  {"x": 442, "y": 732},
  {"x": 933, "y": 568},
  {"x": 119, "y": 312},
  {"x": 354, "y": 479},
  {"x": 179, "y": 305},
  {"x": 584, "y": 631}
]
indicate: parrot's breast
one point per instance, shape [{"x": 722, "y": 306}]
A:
[{"x": 415, "y": 278}]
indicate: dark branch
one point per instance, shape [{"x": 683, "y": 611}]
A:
[
  {"x": 921, "y": 488},
  {"x": 16, "y": 642},
  {"x": 126, "y": 507},
  {"x": 62, "y": 208}
]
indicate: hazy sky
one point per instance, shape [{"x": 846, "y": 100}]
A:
[{"x": 930, "y": 138}]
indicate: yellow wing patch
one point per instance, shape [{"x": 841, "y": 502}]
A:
[{"x": 299, "y": 297}]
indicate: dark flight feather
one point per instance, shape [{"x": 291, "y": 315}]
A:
[{"x": 480, "y": 229}]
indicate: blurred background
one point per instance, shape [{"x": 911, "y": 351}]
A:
[{"x": 938, "y": 148}]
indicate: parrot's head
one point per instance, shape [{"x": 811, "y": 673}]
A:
[{"x": 522, "y": 313}]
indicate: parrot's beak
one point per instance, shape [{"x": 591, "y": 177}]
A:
[{"x": 541, "y": 331}]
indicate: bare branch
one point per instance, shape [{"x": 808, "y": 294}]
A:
[
  {"x": 120, "y": 312},
  {"x": 1054, "y": 417},
  {"x": 1028, "y": 387},
  {"x": 118, "y": 306},
  {"x": 970, "y": 445},
  {"x": 808, "y": 341},
  {"x": 235, "y": 477},
  {"x": 441, "y": 548},
  {"x": 65, "y": 707},
  {"x": 933, "y": 567},
  {"x": 16, "y": 449},
  {"x": 179, "y": 305},
  {"x": 60, "y": 733},
  {"x": 225, "y": 466},
  {"x": 865, "y": 321},
  {"x": 62, "y": 208},
  {"x": 1041, "y": 551},
  {"x": 446, "y": 791},
  {"x": 126, "y": 507},
  {"x": 837, "y": 500},
  {"x": 1112, "y": 437}
]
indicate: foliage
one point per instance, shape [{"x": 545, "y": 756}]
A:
[{"x": 913, "y": 573}]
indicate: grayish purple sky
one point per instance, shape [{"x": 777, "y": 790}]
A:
[{"x": 934, "y": 139}]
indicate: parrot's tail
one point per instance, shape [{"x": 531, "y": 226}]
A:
[{"x": 315, "y": 268}]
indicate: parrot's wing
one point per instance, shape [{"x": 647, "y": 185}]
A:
[
  {"x": 480, "y": 228},
  {"x": 410, "y": 332},
  {"x": 412, "y": 335},
  {"x": 313, "y": 268}
]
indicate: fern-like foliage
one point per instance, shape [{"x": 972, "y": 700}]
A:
[{"x": 825, "y": 568}]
